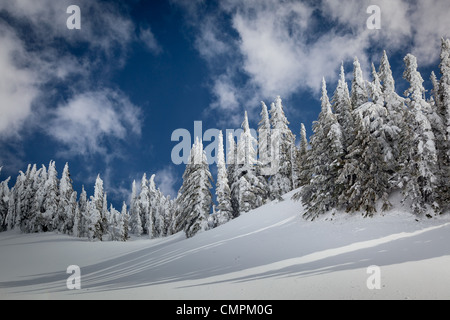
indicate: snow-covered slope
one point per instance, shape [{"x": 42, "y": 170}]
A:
[{"x": 268, "y": 253}]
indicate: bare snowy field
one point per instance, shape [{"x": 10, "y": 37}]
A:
[{"x": 268, "y": 253}]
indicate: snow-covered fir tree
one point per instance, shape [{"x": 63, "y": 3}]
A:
[
  {"x": 194, "y": 200},
  {"x": 4, "y": 203},
  {"x": 321, "y": 194},
  {"x": 303, "y": 153},
  {"x": 419, "y": 174},
  {"x": 83, "y": 205},
  {"x": 364, "y": 176},
  {"x": 342, "y": 107},
  {"x": 443, "y": 110},
  {"x": 51, "y": 199},
  {"x": 359, "y": 94},
  {"x": 264, "y": 144},
  {"x": 62, "y": 220},
  {"x": 283, "y": 151},
  {"x": 77, "y": 226},
  {"x": 223, "y": 194},
  {"x": 135, "y": 216},
  {"x": 249, "y": 189},
  {"x": 231, "y": 171},
  {"x": 144, "y": 207},
  {"x": 124, "y": 218},
  {"x": 155, "y": 200},
  {"x": 395, "y": 106},
  {"x": 38, "y": 201},
  {"x": 95, "y": 212}
]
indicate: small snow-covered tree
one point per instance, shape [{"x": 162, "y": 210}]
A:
[
  {"x": 135, "y": 216},
  {"x": 115, "y": 226},
  {"x": 144, "y": 207},
  {"x": 194, "y": 200},
  {"x": 283, "y": 151},
  {"x": 70, "y": 214},
  {"x": 359, "y": 94},
  {"x": 51, "y": 200},
  {"x": 304, "y": 175},
  {"x": 4, "y": 203},
  {"x": 343, "y": 109},
  {"x": 264, "y": 142},
  {"x": 96, "y": 225},
  {"x": 231, "y": 171},
  {"x": 37, "y": 208},
  {"x": 62, "y": 221},
  {"x": 124, "y": 230},
  {"x": 77, "y": 226},
  {"x": 249, "y": 189},
  {"x": 83, "y": 205},
  {"x": 223, "y": 193}
]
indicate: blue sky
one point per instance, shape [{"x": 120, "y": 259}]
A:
[{"x": 106, "y": 98}]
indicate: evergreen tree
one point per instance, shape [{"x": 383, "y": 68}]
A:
[
  {"x": 359, "y": 94},
  {"x": 343, "y": 109},
  {"x": 283, "y": 152},
  {"x": 195, "y": 199},
  {"x": 96, "y": 211},
  {"x": 4, "y": 203},
  {"x": 223, "y": 193},
  {"x": 51, "y": 200},
  {"x": 144, "y": 207},
  {"x": 37, "y": 208},
  {"x": 231, "y": 172},
  {"x": 135, "y": 217},
  {"x": 419, "y": 175},
  {"x": 124, "y": 236},
  {"x": 71, "y": 212},
  {"x": 249, "y": 189},
  {"x": 443, "y": 110},
  {"x": 83, "y": 207},
  {"x": 77, "y": 230},
  {"x": 27, "y": 194},
  {"x": 364, "y": 175},
  {"x": 395, "y": 106},
  {"x": 62, "y": 221},
  {"x": 303, "y": 164},
  {"x": 154, "y": 197},
  {"x": 264, "y": 144},
  {"x": 114, "y": 224},
  {"x": 322, "y": 192}
]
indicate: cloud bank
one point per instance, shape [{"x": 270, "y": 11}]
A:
[{"x": 286, "y": 47}]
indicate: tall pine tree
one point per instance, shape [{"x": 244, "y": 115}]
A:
[{"x": 195, "y": 200}]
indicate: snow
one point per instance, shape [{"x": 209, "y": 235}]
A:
[{"x": 267, "y": 253}]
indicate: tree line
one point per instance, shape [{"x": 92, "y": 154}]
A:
[{"x": 367, "y": 143}]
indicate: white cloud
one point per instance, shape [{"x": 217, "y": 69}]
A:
[
  {"x": 32, "y": 62},
  {"x": 86, "y": 122},
  {"x": 284, "y": 47},
  {"x": 17, "y": 86},
  {"x": 166, "y": 180},
  {"x": 148, "y": 38}
]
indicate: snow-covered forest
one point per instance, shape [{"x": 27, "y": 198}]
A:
[{"x": 368, "y": 142}]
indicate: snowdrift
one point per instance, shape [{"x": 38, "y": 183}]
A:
[{"x": 268, "y": 253}]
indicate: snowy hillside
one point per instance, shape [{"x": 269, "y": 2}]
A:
[{"x": 267, "y": 253}]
